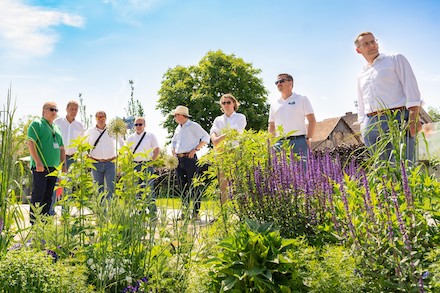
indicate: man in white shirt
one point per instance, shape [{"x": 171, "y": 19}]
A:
[
  {"x": 386, "y": 84},
  {"x": 70, "y": 129},
  {"x": 290, "y": 112},
  {"x": 104, "y": 152},
  {"x": 189, "y": 137},
  {"x": 143, "y": 143}
]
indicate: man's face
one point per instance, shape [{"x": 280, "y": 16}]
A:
[
  {"x": 283, "y": 83},
  {"x": 139, "y": 125},
  {"x": 101, "y": 118},
  {"x": 368, "y": 46},
  {"x": 72, "y": 110},
  {"x": 179, "y": 118},
  {"x": 50, "y": 112}
]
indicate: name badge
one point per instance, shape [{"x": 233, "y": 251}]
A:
[{"x": 56, "y": 145}]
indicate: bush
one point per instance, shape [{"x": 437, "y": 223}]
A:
[{"x": 36, "y": 271}]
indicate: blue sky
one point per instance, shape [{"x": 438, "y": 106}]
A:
[{"x": 53, "y": 50}]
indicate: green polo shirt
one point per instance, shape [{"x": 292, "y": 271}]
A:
[{"x": 46, "y": 138}]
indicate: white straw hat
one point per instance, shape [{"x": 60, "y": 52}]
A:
[{"x": 182, "y": 110}]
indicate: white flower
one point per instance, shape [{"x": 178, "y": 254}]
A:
[
  {"x": 128, "y": 279},
  {"x": 90, "y": 261}
]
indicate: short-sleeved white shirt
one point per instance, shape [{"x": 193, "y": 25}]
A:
[
  {"x": 236, "y": 121},
  {"x": 290, "y": 113},
  {"x": 148, "y": 143},
  {"x": 106, "y": 147}
]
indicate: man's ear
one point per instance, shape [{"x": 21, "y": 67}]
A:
[{"x": 357, "y": 50}]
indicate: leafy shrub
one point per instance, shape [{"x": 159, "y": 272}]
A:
[
  {"x": 333, "y": 271},
  {"x": 257, "y": 259},
  {"x": 36, "y": 271}
]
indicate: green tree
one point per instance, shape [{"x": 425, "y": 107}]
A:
[
  {"x": 200, "y": 88},
  {"x": 434, "y": 113}
]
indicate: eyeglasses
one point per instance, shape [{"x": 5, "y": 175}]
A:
[
  {"x": 138, "y": 124},
  {"x": 226, "y": 102},
  {"x": 281, "y": 81},
  {"x": 52, "y": 109},
  {"x": 368, "y": 43}
]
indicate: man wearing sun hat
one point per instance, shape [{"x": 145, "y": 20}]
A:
[{"x": 189, "y": 137}]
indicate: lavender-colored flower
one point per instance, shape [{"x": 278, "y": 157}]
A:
[
  {"x": 53, "y": 254},
  {"x": 399, "y": 219},
  {"x": 406, "y": 189}
]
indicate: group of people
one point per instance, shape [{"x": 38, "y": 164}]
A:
[
  {"x": 386, "y": 84},
  {"x": 50, "y": 145}
]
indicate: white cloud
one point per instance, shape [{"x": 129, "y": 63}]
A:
[{"x": 27, "y": 30}]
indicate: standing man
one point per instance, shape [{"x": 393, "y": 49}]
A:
[
  {"x": 386, "y": 83},
  {"x": 143, "y": 142},
  {"x": 47, "y": 152},
  {"x": 289, "y": 112},
  {"x": 189, "y": 137},
  {"x": 70, "y": 129},
  {"x": 104, "y": 152}
]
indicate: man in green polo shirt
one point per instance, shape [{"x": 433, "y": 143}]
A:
[{"x": 46, "y": 147}]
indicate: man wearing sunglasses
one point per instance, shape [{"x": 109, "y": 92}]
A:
[
  {"x": 386, "y": 85},
  {"x": 288, "y": 113},
  {"x": 145, "y": 149},
  {"x": 46, "y": 148}
]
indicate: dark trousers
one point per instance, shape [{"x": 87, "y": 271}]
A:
[
  {"x": 185, "y": 172},
  {"x": 42, "y": 190}
]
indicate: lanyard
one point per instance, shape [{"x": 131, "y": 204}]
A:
[{"x": 51, "y": 130}]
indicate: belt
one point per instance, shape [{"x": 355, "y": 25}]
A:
[
  {"x": 103, "y": 160},
  {"x": 293, "y": 137},
  {"x": 385, "y": 110},
  {"x": 182, "y": 155}
]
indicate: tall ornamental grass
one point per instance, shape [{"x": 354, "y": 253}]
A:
[{"x": 11, "y": 172}]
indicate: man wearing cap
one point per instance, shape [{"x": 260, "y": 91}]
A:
[
  {"x": 145, "y": 148},
  {"x": 290, "y": 112},
  {"x": 104, "y": 153},
  {"x": 189, "y": 137},
  {"x": 47, "y": 152}
]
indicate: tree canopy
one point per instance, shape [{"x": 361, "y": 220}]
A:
[{"x": 200, "y": 88}]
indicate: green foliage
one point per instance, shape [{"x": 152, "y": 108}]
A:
[
  {"x": 200, "y": 88},
  {"x": 257, "y": 259},
  {"x": 236, "y": 155},
  {"x": 434, "y": 113},
  {"x": 36, "y": 271},
  {"x": 432, "y": 275},
  {"x": 334, "y": 270}
]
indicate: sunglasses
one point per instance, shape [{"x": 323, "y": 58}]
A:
[
  {"x": 52, "y": 109},
  {"x": 138, "y": 124},
  {"x": 226, "y": 102},
  {"x": 281, "y": 81}
]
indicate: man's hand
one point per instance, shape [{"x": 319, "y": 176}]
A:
[
  {"x": 192, "y": 153},
  {"x": 39, "y": 167}
]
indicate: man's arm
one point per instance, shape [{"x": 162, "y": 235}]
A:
[
  {"x": 415, "y": 125},
  {"x": 63, "y": 158},
  {"x": 155, "y": 153},
  {"x": 33, "y": 151},
  {"x": 271, "y": 128},
  {"x": 311, "y": 129}
]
